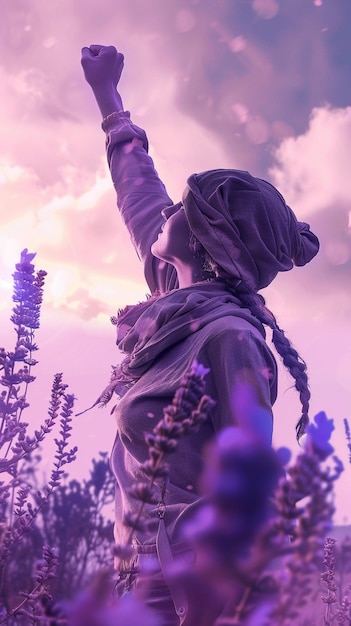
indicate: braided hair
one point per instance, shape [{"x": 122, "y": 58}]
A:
[{"x": 257, "y": 306}]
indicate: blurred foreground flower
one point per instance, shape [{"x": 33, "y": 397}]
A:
[
  {"x": 238, "y": 483},
  {"x": 96, "y": 607},
  {"x": 258, "y": 546},
  {"x": 318, "y": 436}
]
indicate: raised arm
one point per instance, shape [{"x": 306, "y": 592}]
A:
[{"x": 141, "y": 195}]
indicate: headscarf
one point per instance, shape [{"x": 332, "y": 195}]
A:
[{"x": 245, "y": 225}]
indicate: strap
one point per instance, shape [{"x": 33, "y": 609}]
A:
[{"x": 165, "y": 558}]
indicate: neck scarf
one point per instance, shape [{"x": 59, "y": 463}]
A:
[{"x": 146, "y": 330}]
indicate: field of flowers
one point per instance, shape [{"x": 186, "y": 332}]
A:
[{"x": 263, "y": 538}]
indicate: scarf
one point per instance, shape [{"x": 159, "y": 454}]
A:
[
  {"x": 246, "y": 227},
  {"x": 146, "y": 330}
]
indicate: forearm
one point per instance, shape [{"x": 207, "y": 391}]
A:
[
  {"x": 108, "y": 99},
  {"x": 141, "y": 195}
]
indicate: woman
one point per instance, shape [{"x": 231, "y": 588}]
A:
[{"x": 205, "y": 260}]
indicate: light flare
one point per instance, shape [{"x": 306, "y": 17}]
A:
[{"x": 266, "y": 9}]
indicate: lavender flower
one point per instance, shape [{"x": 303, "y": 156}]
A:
[
  {"x": 343, "y": 613},
  {"x": 23, "y": 512},
  {"x": 328, "y": 576},
  {"x": 25, "y": 444},
  {"x": 337, "y": 564},
  {"x": 240, "y": 529},
  {"x": 28, "y": 293},
  {"x": 19, "y": 508},
  {"x": 318, "y": 436},
  {"x": 308, "y": 522},
  {"x": 348, "y": 437},
  {"x": 63, "y": 456},
  {"x": 95, "y": 607},
  {"x": 32, "y": 605},
  {"x": 15, "y": 378},
  {"x": 189, "y": 408},
  {"x": 226, "y": 534}
]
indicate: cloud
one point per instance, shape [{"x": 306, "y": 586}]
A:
[
  {"x": 276, "y": 67},
  {"x": 79, "y": 239},
  {"x": 211, "y": 91},
  {"x": 220, "y": 56},
  {"x": 56, "y": 193},
  {"x": 64, "y": 210},
  {"x": 312, "y": 172},
  {"x": 312, "y": 169}
]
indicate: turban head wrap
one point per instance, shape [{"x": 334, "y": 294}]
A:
[{"x": 245, "y": 225}]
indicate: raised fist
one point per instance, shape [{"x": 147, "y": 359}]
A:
[{"x": 101, "y": 65}]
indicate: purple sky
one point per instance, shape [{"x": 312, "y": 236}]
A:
[{"x": 262, "y": 85}]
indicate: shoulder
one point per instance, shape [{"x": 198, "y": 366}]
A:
[
  {"x": 235, "y": 340},
  {"x": 232, "y": 327}
]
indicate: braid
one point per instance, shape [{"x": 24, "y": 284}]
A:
[
  {"x": 290, "y": 357},
  {"x": 257, "y": 305}
]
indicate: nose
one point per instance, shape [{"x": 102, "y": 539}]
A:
[{"x": 170, "y": 210}]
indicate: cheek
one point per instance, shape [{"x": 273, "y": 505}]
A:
[
  {"x": 176, "y": 233},
  {"x": 173, "y": 240},
  {"x": 161, "y": 242}
]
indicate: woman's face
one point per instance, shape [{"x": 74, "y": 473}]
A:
[{"x": 172, "y": 243}]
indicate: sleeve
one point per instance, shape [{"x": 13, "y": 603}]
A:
[
  {"x": 141, "y": 195},
  {"x": 242, "y": 381}
]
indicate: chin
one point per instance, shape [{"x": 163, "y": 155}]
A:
[
  {"x": 155, "y": 252},
  {"x": 154, "y": 248}
]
